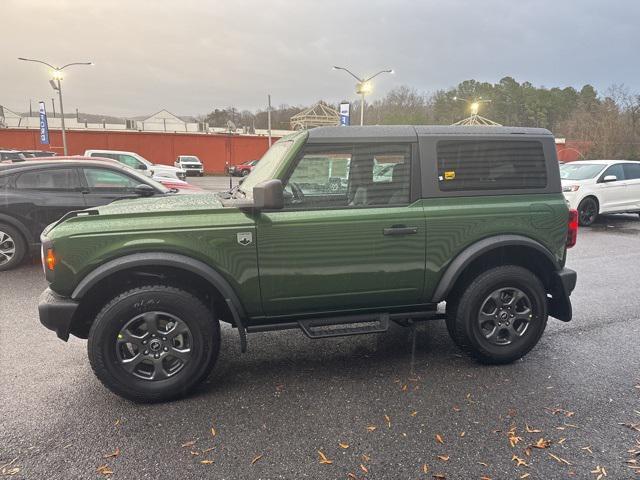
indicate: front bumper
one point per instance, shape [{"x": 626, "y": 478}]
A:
[
  {"x": 56, "y": 312},
  {"x": 563, "y": 283},
  {"x": 573, "y": 199}
]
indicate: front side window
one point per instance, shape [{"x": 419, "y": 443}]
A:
[
  {"x": 615, "y": 170},
  {"x": 52, "y": 179},
  {"x": 350, "y": 176},
  {"x": 103, "y": 179},
  {"x": 132, "y": 162},
  {"x": 490, "y": 165}
]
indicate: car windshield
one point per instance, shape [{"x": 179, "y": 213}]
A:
[
  {"x": 190, "y": 159},
  {"x": 580, "y": 171},
  {"x": 266, "y": 168}
]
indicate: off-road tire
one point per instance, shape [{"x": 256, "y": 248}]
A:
[
  {"x": 10, "y": 235},
  {"x": 203, "y": 326},
  {"x": 462, "y": 314}
]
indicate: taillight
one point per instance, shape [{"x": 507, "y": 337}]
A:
[
  {"x": 572, "y": 234},
  {"x": 50, "y": 259}
]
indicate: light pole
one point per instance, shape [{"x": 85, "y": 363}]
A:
[
  {"x": 474, "y": 105},
  {"x": 363, "y": 87},
  {"x": 56, "y": 73}
]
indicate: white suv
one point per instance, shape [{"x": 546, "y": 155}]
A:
[
  {"x": 138, "y": 162},
  {"x": 190, "y": 164},
  {"x": 601, "y": 186}
]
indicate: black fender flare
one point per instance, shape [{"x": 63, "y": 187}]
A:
[
  {"x": 175, "y": 260},
  {"x": 24, "y": 231},
  {"x": 475, "y": 250}
]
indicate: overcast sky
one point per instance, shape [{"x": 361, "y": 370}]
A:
[{"x": 191, "y": 56}]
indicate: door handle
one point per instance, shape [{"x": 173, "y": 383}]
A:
[{"x": 400, "y": 230}]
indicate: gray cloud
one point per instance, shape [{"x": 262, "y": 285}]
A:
[{"x": 192, "y": 56}]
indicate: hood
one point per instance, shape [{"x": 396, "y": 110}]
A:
[
  {"x": 166, "y": 168},
  {"x": 162, "y": 204}
]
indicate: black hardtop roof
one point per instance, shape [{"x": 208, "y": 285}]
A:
[
  {"x": 36, "y": 164},
  {"x": 407, "y": 133}
]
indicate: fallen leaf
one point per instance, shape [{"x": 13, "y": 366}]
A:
[
  {"x": 444, "y": 458},
  {"x": 113, "y": 454},
  {"x": 541, "y": 443},
  {"x": 600, "y": 472},
  {"x": 189, "y": 444},
  {"x": 439, "y": 476},
  {"x": 404, "y": 388},
  {"x": 558, "y": 459},
  {"x": 456, "y": 408},
  {"x": 561, "y": 441},
  {"x": 323, "y": 458},
  {"x": 194, "y": 453},
  {"x": 363, "y": 468},
  {"x": 388, "y": 420},
  {"x": 425, "y": 468},
  {"x": 207, "y": 450},
  {"x": 343, "y": 445},
  {"x": 531, "y": 429},
  {"x": 256, "y": 459},
  {"x": 525, "y": 475},
  {"x": 484, "y": 477},
  {"x": 206, "y": 462},
  {"x": 365, "y": 457},
  {"x": 439, "y": 438},
  {"x": 519, "y": 461},
  {"x": 116, "y": 423},
  {"x": 483, "y": 464},
  {"x": 414, "y": 413},
  {"x": 588, "y": 449},
  {"x": 371, "y": 428},
  {"x": 352, "y": 476},
  {"x": 213, "y": 432},
  {"x": 104, "y": 470},
  {"x": 462, "y": 434}
]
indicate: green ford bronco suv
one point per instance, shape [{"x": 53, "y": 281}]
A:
[{"x": 337, "y": 231}]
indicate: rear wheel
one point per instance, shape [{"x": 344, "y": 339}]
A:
[
  {"x": 587, "y": 211},
  {"x": 153, "y": 343},
  {"x": 244, "y": 173},
  {"x": 500, "y": 316},
  {"x": 12, "y": 247}
]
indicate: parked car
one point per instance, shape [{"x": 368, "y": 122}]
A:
[
  {"x": 243, "y": 169},
  {"x": 472, "y": 216},
  {"x": 37, "y": 153},
  {"x": 138, "y": 162},
  {"x": 179, "y": 185},
  {"x": 595, "y": 187},
  {"x": 11, "y": 156},
  {"x": 190, "y": 164},
  {"x": 35, "y": 193}
]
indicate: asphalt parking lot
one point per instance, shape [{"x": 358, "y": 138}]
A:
[{"x": 361, "y": 401}]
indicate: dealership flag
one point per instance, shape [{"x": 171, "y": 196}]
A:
[{"x": 44, "y": 125}]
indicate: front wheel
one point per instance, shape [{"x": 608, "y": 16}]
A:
[
  {"x": 244, "y": 173},
  {"x": 153, "y": 343},
  {"x": 500, "y": 316},
  {"x": 12, "y": 247},
  {"x": 587, "y": 211}
]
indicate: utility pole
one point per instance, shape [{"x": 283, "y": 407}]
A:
[
  {"x": 269, "y": 117},
  {"x": 56, "y": 85}
]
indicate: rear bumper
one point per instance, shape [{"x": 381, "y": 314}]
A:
[
  {"x": 56, "y": 313},
  {"x": 563, "y": 283}
]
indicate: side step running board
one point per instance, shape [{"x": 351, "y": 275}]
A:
[{"x": 343, "y": 326}]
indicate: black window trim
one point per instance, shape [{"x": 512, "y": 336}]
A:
[
  {"x": 427, "y": 144},
  {"x": 609, "y": 167},
  {"x": 414, "y": 179}
]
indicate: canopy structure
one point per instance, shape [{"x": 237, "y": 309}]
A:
[
  {"x": 319, "y": 115},
  {"x": 476, "y": 119}
]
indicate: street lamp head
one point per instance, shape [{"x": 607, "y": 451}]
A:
[
  {"x": 364, "y": 88},
  {"x": 56, "y": 74},
  {"x": 392, "y": 71},
  {"x": 475, "y": 106}
]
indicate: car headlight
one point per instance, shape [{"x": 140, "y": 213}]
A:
[{"x": 570, "y": 188}]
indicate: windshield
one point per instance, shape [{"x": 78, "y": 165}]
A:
[
  {"x": 266, "y": 168},
  {"x": 190, "y": 159},
  {"x": 580, "y": 171}
]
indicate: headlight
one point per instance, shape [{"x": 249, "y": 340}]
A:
[{"x": 570, "y": 188}]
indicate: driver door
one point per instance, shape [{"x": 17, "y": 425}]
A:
[{"x": 344, "y": 240}]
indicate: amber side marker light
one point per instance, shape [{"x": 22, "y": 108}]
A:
[{"x": 50, "y": 259}]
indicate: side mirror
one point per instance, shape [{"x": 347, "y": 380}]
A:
[
  {"x": 268, "y": 195},
  {"x": 141, "y": 166},
  {"x": 609, "y": 178},
  {"x": 145, "y": 190}
]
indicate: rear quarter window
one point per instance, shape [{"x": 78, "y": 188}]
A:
[{"x": 490, "y": 165}]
